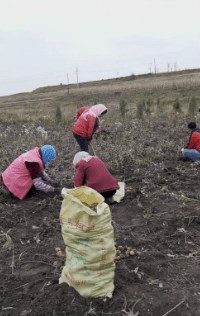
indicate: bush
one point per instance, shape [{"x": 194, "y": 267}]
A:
[
  {"x": 122, "y": 107},
  {"x": 177, "y": 105},
  {"x": 140, "y": 109},
  {"x": 58, "y": 114},
  {"x": 192, "y": 110},
  {"x": 161, "y": 107},
  {"x": 149, "y": 103}
]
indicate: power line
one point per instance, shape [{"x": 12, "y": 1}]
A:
[{"x": 58, "y": 76}]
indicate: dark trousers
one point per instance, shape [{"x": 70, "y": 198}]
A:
[
  {"x": 108, "y": 194},
  {"x": 82, "y": 141}
]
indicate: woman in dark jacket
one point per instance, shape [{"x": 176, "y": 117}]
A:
[{"x": 92, "y": 172}]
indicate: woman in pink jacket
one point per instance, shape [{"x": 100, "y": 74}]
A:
[
  {"x": 87, "y": 123},
  {"x": 27, "y": 171},
  {"x": 92, "y": 172}
]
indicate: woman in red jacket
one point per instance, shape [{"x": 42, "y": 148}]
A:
[
  {"x": 193, "y": 148},
  {"x": 80, "y": 111},
  {"x": 86, "y": 124},
  {"x": 92, "y": 172}
]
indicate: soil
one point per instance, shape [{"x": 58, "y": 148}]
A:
[
  {"x": 162, "y": 227},
  {"x": 158, "y": 217}
]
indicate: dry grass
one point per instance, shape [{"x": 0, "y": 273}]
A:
[{"x": 41, "y": 106}]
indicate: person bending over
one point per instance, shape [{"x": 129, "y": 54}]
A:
[
  {"x": 87, "y": 122},
  {"x": 27, "y": 171},
  {"x": 92, "y": 172}
]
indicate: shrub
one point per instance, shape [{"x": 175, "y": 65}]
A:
[
  {"x": 149, "y": 103},
  {"x": 177, "y": 105},
  {"x": 140, "y": 109},
  {"x": 122, "y": 107},
  {"x": 192, "y": 110},
  {"x": 161, "y": 107},
  {"x": 58, "y": 114}
]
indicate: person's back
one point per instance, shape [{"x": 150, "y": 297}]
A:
[
  {"x": 80, "y": 111},
  {"x": 96, "y": 175},
  {"x": 27, "y": 171},
  {"x": 87, "y": 124},
  {"x": 195, "y": 141}
]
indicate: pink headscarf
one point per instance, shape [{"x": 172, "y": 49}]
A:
[{"x": 95, "y": 110}]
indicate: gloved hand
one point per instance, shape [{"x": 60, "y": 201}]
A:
[{"x": 57, "y": 191}]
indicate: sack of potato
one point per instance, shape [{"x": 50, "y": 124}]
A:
[{"x": 89, "y": 238}]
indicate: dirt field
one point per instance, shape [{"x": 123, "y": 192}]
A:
[{"x": 159, "y": 218}]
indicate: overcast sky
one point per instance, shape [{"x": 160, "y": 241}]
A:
[{"x": 43, "y": 43}]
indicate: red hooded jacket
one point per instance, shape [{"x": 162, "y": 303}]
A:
[
  {"x": 88, "y": 121},
  {"x": 80, "y": 111}
]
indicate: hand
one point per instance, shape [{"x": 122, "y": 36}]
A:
[
  {"x": 182, "y": 149},
  {"x": 57, "y": 191}
]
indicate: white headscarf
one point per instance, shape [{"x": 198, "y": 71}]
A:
[{"x": 81, "y": 155}]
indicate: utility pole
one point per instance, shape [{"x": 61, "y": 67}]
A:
[
  {"x": 155, "y": 65},
  {"x": 168, "y": 67},
  {"x": 77, "y": 78},
  {"x": 68, "y": 82}
]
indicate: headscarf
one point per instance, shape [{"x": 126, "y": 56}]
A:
[
  {"x": 95, "y": 110},
  {"x": 48, "y": 154},
  {"x": 81, "y": 155},
  {"x": 80, "y": 111}
]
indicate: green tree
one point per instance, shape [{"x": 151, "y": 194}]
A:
[
  {"x": 149, "y": 103},
  {"x": 58, "y": 114},
  {"x": 140, "y": 109},
  {"x": 122, "y": 107},
  {"x": 192, "y": 110},
  {"x": 177, "y": 105}
]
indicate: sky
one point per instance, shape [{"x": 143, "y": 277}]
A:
[{"x": 45, "y": 43}]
